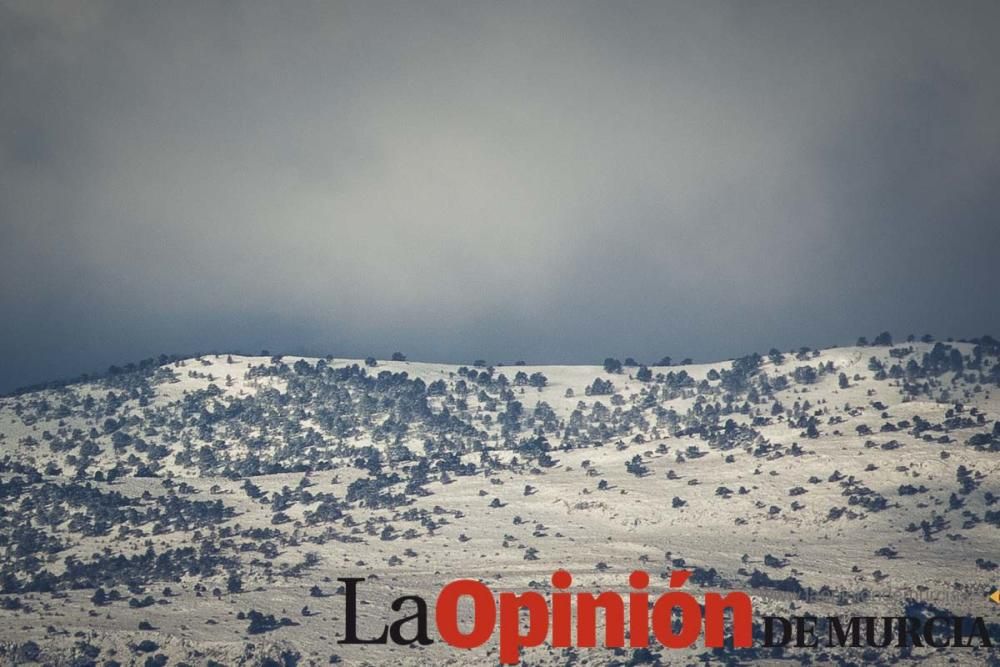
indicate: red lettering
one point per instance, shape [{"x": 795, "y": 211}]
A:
[
  {"x": 484, "y": 613},
  {"x": 511, "y": 639}
]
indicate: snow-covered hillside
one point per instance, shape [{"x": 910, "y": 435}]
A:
[{"x": 148, "y": 512}]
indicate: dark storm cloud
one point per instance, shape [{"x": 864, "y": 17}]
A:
[{"x": 548, "y": 181}]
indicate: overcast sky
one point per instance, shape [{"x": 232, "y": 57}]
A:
[{"x": 548, "y": 181}]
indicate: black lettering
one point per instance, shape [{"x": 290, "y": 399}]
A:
[
  {"x": 805, "y": 626},
  {"x": 420, "y": 616},
  {"x": 786, "y": 631},
  {"x": 351, "y": 615},
  {"x": 870, "y": 631},
  {"x": 929, "y": 636},
  {"x": 835, "y": 628},
  {"x": 909, "y": 628},
  {"x": 979, "y": 628}
]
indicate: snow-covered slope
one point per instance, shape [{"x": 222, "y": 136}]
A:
[{"x": 243, "y": 483}]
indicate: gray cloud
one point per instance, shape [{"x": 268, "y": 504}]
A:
[{"x": 554, "y": 182}]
